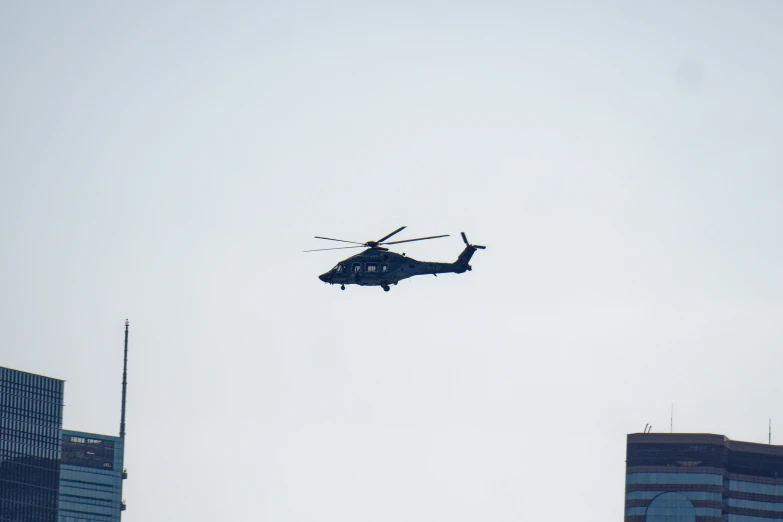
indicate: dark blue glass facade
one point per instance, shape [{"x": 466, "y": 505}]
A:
[
  {"x": 702, "y": 478},
  {"x": 31, "y": 408},
  {"x": 91, "y": 477}
]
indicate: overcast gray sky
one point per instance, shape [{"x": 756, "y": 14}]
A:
[{"x": 168, "y": 162}]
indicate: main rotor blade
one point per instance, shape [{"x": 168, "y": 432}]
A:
[
  {"x": 335, "y": 248},
  {"x": 340, "y": 240},
  {"x": 417, "y": 239},
  {"x": 384, "y": 238}
]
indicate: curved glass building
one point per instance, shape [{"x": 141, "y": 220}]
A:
[{"x": 702, "y": 478}]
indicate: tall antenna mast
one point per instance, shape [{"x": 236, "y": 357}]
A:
[{"x": 124, "y": 382}]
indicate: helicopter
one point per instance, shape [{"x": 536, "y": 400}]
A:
[{"x": 377, "y": 266}]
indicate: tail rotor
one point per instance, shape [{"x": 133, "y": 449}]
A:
[
  {"x": 465, "y": 239},
  {"x": 463, "y": 261}
]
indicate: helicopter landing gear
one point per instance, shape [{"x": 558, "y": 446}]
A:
[
  {"x": 385, "y": 288},
  {"x": 342, "y": 287}
]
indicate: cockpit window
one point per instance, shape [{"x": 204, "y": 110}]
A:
[{"x": 339, "y": 268}]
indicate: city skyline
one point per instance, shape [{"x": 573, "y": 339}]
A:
[
  {"x": 82, "y": 472},
  {"x": 169, "y": 164}
]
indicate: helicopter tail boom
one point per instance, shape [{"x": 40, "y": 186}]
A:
[{"x": 464, "y": 257}]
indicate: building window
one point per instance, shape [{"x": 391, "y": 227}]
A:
[{"x": 671, "y": 506}]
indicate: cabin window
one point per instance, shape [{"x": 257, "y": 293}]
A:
[
  {"x": 384, "y": 267},
  {"x": 357, "y": 267},
  {"x": 371, "y": 267}
]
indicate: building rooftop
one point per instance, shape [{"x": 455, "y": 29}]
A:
[
  {"x": 704, "y": 438},
  {"x": 30, "y": 373}
]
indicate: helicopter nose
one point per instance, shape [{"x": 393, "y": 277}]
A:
[{"x": 323, "y": 277}]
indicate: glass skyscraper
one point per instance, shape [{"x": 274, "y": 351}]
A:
[
  {"x": 91, "y": 475},
  {"x": 31, "y": 412},
  {"x": 702, "y": 478}
]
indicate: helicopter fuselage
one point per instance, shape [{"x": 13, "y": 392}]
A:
[{"x": 380, "y": 267}]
